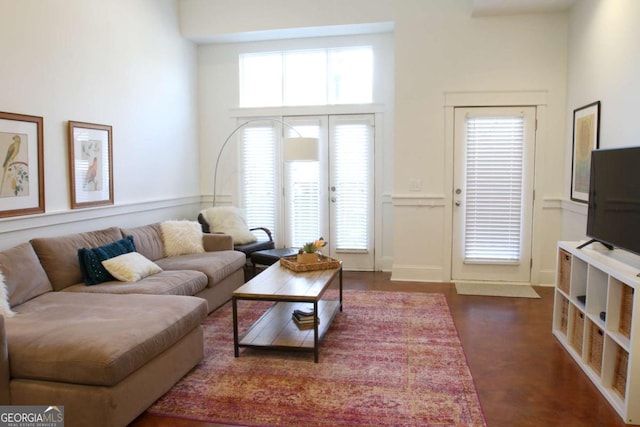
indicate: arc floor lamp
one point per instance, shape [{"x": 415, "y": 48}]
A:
[{"x": 294, "y": 148}]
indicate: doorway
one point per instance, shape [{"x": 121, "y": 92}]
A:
[
  {"x": 493, "y": 193},
  {"x": 334, "y": 197}
]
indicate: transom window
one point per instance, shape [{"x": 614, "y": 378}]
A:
[{"x": 307, "y": 77}]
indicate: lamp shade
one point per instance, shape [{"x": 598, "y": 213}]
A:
[{"x": 300, "y": 149}]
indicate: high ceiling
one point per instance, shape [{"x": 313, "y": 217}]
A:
[{"x": 516, "y": 7}]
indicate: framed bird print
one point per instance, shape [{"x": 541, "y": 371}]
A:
[
  {"x": 90, "y": 165},
  {"x": 21, "y": 153}
]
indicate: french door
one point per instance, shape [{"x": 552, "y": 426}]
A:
[
  {"x": 493, "y": 193},
  {"x": 334, "y": 197}
]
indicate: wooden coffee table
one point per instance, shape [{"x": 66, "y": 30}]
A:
[{"x": 289, "y": 290}]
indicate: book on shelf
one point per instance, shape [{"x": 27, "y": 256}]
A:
[
  {"x": 303, "y": 325},
  {"x": 306, "y": 313},
  {"x": 304, "y": 319}
]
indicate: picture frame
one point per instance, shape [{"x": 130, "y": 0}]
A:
[
  {"x": 90, "y": 164},
  {"x": 586, "y": 138},
  {"x": 22, "y": 155}
]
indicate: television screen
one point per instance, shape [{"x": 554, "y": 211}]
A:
[{"x": 614, "y": 198}]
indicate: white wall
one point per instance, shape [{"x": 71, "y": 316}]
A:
[
  {"x": 215, "y": 20},
  {"x": 604, "y": 65},
  {"x": 439, "y": 49},
  {"x": 121, "y": 63}
]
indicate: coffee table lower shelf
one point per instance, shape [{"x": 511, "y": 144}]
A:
[{"x": 276, "y": 329}]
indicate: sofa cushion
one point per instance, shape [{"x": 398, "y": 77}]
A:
[
  {"x": 59, "y": 255},
  {"x": 229, "y": 220},
  {"x": 216, "y": 265},
  {"x": 90, "y": 260},
  {"x": 183, "y": 282},
  {"x": 130, "y": 267},
  {"x": 23, "y": 274},
  {"x": 96, "y": 339},
  {"x": 181, "y": 238},
  {"x": 148, "y": 240}
]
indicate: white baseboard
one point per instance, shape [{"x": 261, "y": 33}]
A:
[{"x": 416, "y": 273}]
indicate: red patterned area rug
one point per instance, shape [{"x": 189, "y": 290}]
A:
[{"x": 389, "y": 359}]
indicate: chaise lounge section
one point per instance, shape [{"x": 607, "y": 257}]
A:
[{"x": 106, "y": 352}]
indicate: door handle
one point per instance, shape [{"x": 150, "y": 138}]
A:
[{"x": 458, "y": 192}]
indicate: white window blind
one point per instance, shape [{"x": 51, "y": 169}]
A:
[
  {"x": 494, "y": 189},
  {"x": 303, "y": 195},
  {"x": 351, "y": 157},
  {"x": 258, "y": 176}
]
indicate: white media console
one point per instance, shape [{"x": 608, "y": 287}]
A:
[{"x": 595, "y": 319}]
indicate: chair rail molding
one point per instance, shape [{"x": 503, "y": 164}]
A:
[
  {"x": 574, "y": 207},
  {"x": 427, "y": 200}
]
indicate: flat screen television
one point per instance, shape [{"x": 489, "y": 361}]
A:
[{"x": 614, "y": 198}]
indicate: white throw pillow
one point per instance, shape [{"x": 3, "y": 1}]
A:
[
  {"x": 181, "y": 237},
  {"x": 130, "y": 267},
  {"x": 229, "y": 220},
  {"x": 5, "y": 308}
]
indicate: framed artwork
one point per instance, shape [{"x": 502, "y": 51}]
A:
[
  {"x": 90, "y": 165},
  {"x": 586, "y": 138},
  {"x": 21, "y": 151}
]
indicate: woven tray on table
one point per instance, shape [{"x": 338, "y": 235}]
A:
[{"x": 324, "y": 263}]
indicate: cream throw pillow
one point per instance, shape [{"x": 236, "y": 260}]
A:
[
  {"x": 130, "y": 267},
  {"x": 5, "y": 308},
  {"x": 181, "y": 237},
  {"x": 229, "y": 220}
]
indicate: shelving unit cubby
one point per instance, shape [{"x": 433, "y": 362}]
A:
[{"x": 596, "y": 320}]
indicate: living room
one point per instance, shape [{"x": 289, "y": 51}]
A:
[
  {"x": 155, "y": 97},
  {"x": 156, "y": 71}
]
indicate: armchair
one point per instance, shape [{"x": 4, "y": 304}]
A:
[
  {"x": 246, "y": 248},
  {"x": 230, "y": 221}
]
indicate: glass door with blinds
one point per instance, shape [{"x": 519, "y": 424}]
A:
[
  {"x": 333, "y": 197},
  {"x": 493, "y": 194}
]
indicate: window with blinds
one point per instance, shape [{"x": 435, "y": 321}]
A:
[
  {"x": 494, "y": 189},
  {"x": 259, "y": 179},
  {"x": 351, "y": 176},
  {"x": 303, "y": 203},
  {"x": 303, "y": 212},
  {"x": 302, "y": 193}
]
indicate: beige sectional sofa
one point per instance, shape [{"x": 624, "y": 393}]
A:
[{"x": 106, "y": 352}]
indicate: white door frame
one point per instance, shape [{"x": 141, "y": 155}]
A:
[
  {"x": 490, "y": 99},
  {"x": 352, "y": 260},
  {"x": 497, "y": 270}
]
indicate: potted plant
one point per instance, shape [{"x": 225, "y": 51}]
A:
[{"x": 309, "y": 254}]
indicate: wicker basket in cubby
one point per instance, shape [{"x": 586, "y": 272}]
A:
[
  {"x": 564, "y": 315},
  {"x": 626, "y": 311},
  {"x": 577, "y": 330},
  {"x": 564, "y": 270},
  {"x": 596, "y": 344},
  {"x": 620, "y": 372}
]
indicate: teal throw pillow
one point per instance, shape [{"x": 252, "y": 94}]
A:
[{"x": 93, "y": 272}]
